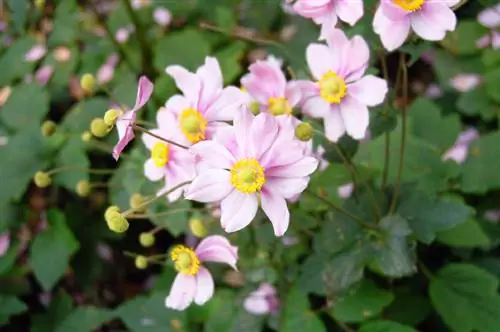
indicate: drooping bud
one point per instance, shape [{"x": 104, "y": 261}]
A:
[
  {"x": 87, "y": 83},
  {"x": 304, "y": 131},
  {"x": 116, "y": 222},
  {"x": 99, "y": 128},
  {"x": 42, "y": 179},
  {"x": 146, "y": 239},
  {"x": 197, "y": 227},
  {"x": 141, "y": 262},
  {"x": 48, "y": 128},
  {"x": 136, "y": 201},
  {"x": 86, "y": 136},
  {"x": 83, "y": 188},
  {"x": 110, "y": 117}
]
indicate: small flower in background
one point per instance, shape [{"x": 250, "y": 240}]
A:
[
  {"x": 346, "y": 190},
  {"x": 490, "y": 18},
  {"x": 3, "y": 26},
  {"x": 162, "y": 16},
  {"x": 36, "y": 53},
  {"x": 205, "y": 103},
  {"x": 62, "y": 54},
  {"x": 433, "y": 91},
  {"x": 459, "y": 151},
  {"x": 5, "y": 94},
  {"x": 465, "y": 82},
  {"x": 125, "y": 122},
  {"x": 252, "y": 161},
  {"x": 327, "y": 12},
  {"x": 106, "y": 71},
  {"x": 492, "y": 215},
  {"x": 169, "y": 162},
  {"x": 429, "y": 19},
  {"x": 43, "y": 74},
  {"x": 289, "y": 241},
  {"x": 262, "y": 301},
  {"x": 122, "y": 34},
  {"x": 287, "y": 7},
  {"x": 267, "y": 84},
  {"x": 193, "y": 281},
  {"x": 341, "y": 94},
  {"x": 141, "y": 3},
  {"x": 4, "y": 243}
]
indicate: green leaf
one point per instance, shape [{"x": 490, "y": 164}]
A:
[
  {"x": 246, "y": 322},
  {"x": 27, "y": 105},
  {"x": 365, "y": 302},
  {"x": 60, "y": 307},
  {"x": 491, "y": 80},
  {"x": 84, "y": 319},
  {"x": 51, "y": 250},
  {"x": 19, "y": 11},
  {"x": 9, "y": 306},
  {"x": 385, "y": 326},
  {"x": 337, "y": 232},
  {"x": 415, "y": 50},
  {"x": 466, "y": 298},
  {"x": 297, "y": 315},
  {"x": 186, "y": 48},
  {"x": 230, "y": 61},
  {"x": 78, "y": 118},
  {"x": 221, "y": 311},
  {"x": 463, "y": 40},
  {"x": 12, "y": 60},
  {"x": 408, "y": 308},
  {"x": 72, "y": 155},
  {"x": 476, "y": 102},
  {"x": 466, "y": 235},
  {"x": 394, "y": 254}
]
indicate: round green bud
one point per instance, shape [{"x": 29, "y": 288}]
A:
[
  {"x": 197, "y": 227},
  {"x": 116, "y": 222},
  {"x": 39, "y": 4},
  {"x": 88, "y": 82},
  {"x": 99, "y": 128},
  {"x": 146, "y": 239},
  {"x": 136, "y": 201},
  {"x": 141, "y": 262},
  {"x": 48, "y": 128},
  {"x": 83, "y": 188},
  {"x": 254, "y": 108},
  {"x": 42, "y": 179},
  {"x": 110, "y": 116},
  {"x": 304, "y": 131},
  {"x": 86, "y": 136},
  {"x": 110, "y": 210}
]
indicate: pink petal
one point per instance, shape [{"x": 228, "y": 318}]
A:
[
  {"x": 316, "y": 107},
  {"x": 490, "y": 17},
  {"x": 152, "y": 172},
  {"x": 211, "y": 185},
  {"x": 44, "y": 74},
  {"x": 349, "y": 11},
  {"x": 265, "y": 80},
  {"x": 144, "y": 92},
  {"x": 4, "y": 243},
  {"x": 125, "y": 132},
  {"x": 276, "y": 155},
  {"x": 274, "y": 206},
  {"x": 465, "y": 82},
  {"x": 263, "y": 132},
  {"x": 369, "y": 90},
  {"x": 182, "y": 292},
  {"x": 186, "y": 81},
  {"x": 425, "y": 27},
  {"x": 357, "y": 56},
  {"x": 312, "y": 9},
  {"x": 176, "y": 173},
  {"x": 162, "y": 16},
  {"x": 336, "y": 38},
  {"x": 204, "y": 286},
  {"x": 392, "y": 33},
  {"x": 328, "y": 23},
  {"x": 213, "y": 154},
  {"x": 441, "y": 15},
  {"x": 320, "y": 59},
  {"x": 457, "y": 153},
  {"x": 149, "y": 141},
  {"x": 303, "y": 167},
  {"x": 238, "y": 210},
  {"x": 227, "y": 104},
  {"x": 345, "y": 191},
  {"x": 242, "y": 125},
  {"x": 392, "y": 11},
  {"x": 256, "y": 304},
  {"x": 178, "y": 103},
  {"x": 334, "y": 124},
  {"x": 211, "y": 82},
  {"x": 287, "y": 187},
  {"x": 216, "y": 248},
  {"x": 355, "y": 117},
  {"x": 36, "y": 53},
  {"x": 293, "y": 93}
]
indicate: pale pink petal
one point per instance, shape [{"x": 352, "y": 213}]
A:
[
  {"x": 274, "y": 206},
  {"x": 392, "y": 11},
  {"x": 287, "y": 187},
  {"x": 275, "y": 157},
  {"x": 177, "y": 172},
  {"x": 425, "y": 27},
  {"x": 162, "y": 16},
  {"x": 345, "y": 191},
  {"x": 392, "y": 33},
  {"x": 4, "y": 243},
  {"x": 441, "y": 15},
  {"x": 238, "y": 210},
  {"x": 355, "y": 116},
  {"x": 316, "y": 107},
  {"x": 149, "y": 140},
  {"x": 211, "y": 82},
  {"x": 263, "y": 132},
  {"x": 167, "y": 122},
  {"x": 465, "y": 82},
  {"x": 187, "y": 82},
  {"x": 311, "y": 9},
  {"x": 182, "y": 292},
  {"x": 211, "y": 185},
  {"x": 328, "y": 23},
  {"x": 216, "y": 248},
  {"x": 256, "y": 304},
  {"x": 213, "y": 154},
  {"x": 242, "y": 126},
  {"x": 304, "y": 167},
  {"x": 457, "y": 153},
  {"x": 334, "y": 124},
  {"x": 125, "y": 132},
  {"x": 357, "y": 55},
  {"x": 349, "y": 11},
  {"x": 490, "y": 17},
  {"x": 152, "y": 172},
  {"x": 293, "y": 93},
  {"x": 144, "y": 92},
  {"x": 369, "y": 90},
  {"x": 36, "y": 53},
  {"x": 178, "y": 103},
  {"x": 227, "y": 104},
  {"x": 320, "y": 59},
  {"x": 44, "y": 74},
  {"x": 204, "y": 286},
  {"x": 336, "y": 38},
  {"x": 265, "y": 80}
]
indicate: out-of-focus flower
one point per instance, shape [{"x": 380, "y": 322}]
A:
[
  {"x": 36, "y": 53},
  {"x": 5, "y": 94},
  {"x": 252, "y": 162},
  {"x": 492, "y": 215},
  {"x": 205, "y": 104},
  {"x": 460, "y": 149},
  {"x": 123, "y": 34},
  {"x": 327, "y": 12},
  {"x": 3, "y": 26},
  {"x": 465, "y": 82},
  {"x": 125, "y": 123},
  {"x": 289, "y": 241},
  {"x": 105, "y": 252},
  {"x": 430, "y": 19},
  {"x": 162, "y": 16},
  {"x": 4, "y": 243},
  {"x": 43, "y": 74},
  {"x": 341, "y": 95},
  {"x": 194, "y": 282},
  {"x": 62, "y": 54},
  {"x": 262, "y": 301},
  {"x": 345, "y": 191},
  {"x": 490, "y": 18},
  {"x": 434, "y": 91},
  {"x": 140, "y": 3},
  {"x": 287, "y": 7},
  {"x": 107, "y": 70}
]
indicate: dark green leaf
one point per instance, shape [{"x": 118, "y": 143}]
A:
[
  {"x": 27, "y": 105},
  {"x": 84, "y": 319},
  {"x": 72, "y": 155},
  {"x": 385, "y": 326},
  {"x": 12, "y": 60},
  {"x": 297, "y": 314},
  {"x": 465, "y": 235},
  {"x": 408, "y": 308}
]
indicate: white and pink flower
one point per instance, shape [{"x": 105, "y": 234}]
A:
[
  {"x": 262, "y": 301},
  {"x": 460, "y": 150}
]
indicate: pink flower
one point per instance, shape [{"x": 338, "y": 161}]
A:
[
  {"x": 123, "y": 34},
  {"x": 194, "y": 282},
  {"x": 430, "y": 19},
  {"x": 434, "y": 91},
  {"x": 167, "y": 161},
  {"x": 44, "y": 74},
  {"x": 266, "y": 83},
  {"x": 325, "y": 12},
  {"x": 140, "y": 3},
  {"x": 490, "y": 18},
  {"x": 162, "y": 16},
  {"x": 341, "y": 93},
  {"x": 205, "y": 104},
  {"x": 4, "y": 243},
  {"x": 62, "y": 54},
  {"x": 107, "y": 70},
  {"x": 459, "y": 151},
  {"x": 36, "y": 53},
  {"x": 125, "y": 123},
  {"x": 262, "y": 301},
  {"x": 345, "y": 191},
  {"x": 465, "y": 82},
  {"x": 254, "y": 162}
]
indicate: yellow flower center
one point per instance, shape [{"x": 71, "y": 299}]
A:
[
  {"x": 185, "y": 260},
  {"x": 279, "y": 106},
  {"x": 332, "y": 87},
  {"x": 409, "y": 5},
  {"x": 159, "y": 154},
  {"x": 247, "y": 176},
  {"x": 193, "y": 125}
]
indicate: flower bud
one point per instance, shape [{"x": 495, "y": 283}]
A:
[
  {"x": 86, "y": 136},
  {"x": 141, "y": 262},
  {"x": 87, "y": 83},
  {"x": 146, "y": 239},
  {"x": 255, "y": 108},
  {"x": 48, "y": 128},
  {"x": 197, "y": 227},
  {"x": 99, "y": 128},
  {"x": 136, "y": 201},
  {"x": 110, "y": 210},
  {"x": 42, "y": 179},
  {"x": 110, "y": 116},
  {"x": 83, "y": 188},
  {"x": 39, "y": 4},
  {"x": 304, "y": 131},
  {"x": 116, "y": 222}
]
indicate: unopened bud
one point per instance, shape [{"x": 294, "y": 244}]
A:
[
  {"x": 136, "y": 201},
  {"x": 87, "y": 83},
  {"x": 146, "y": 239},
  {"x": 197, "y": 227},
  {"x": 99, "y": 128},
  {"x": 48, "y": 128},
  {"x": 110, "y": 210},
  {"x": 83, "y": 188},
  {"x": 110, "y": 116},
  {"x": 39, "y": 4},
  {"x": 304, "y": 131},
  {"x": 116, "y": 222},
  {"x": 141, "y": 262},
  {"x": 42, "y": 179},
  {"x": 86, "y": 136},
  {"x": 255, "y": 108}
]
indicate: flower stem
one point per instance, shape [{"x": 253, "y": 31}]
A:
[
  {"x": 160, "y": 214},
  {"x": 83, "y": 169},
  {"x": 255, "y": 40},
  {"x": 144, "y": 130},
  {"x": 397, "y": 186},
  {"x": 387, "y": 137}
]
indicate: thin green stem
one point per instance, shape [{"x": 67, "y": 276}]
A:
[
  {"x": 83, "y": 169},
  {"x": 144, "y": 130},
  {"x": 254, "y": 40},
  {"x": 387, "y": 137},
  {"x": 399, "y": 175},
  {"x": 161, "y": 214}
]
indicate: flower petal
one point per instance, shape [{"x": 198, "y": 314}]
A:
[
  {"x": 441, "y": 15},
  {"x": 186, "y": 81},
  {"x": 334, "y": 125},
  {"x": 211, "y": 185},
  {"x": 303, "y": 167},
  {"x": 178, "y": 103},
  {"x": 152, "y": 172},
  {"x": 217, "y": 248},
  {"x": 213, "y": 154},
  {"x": 256, "y": 304},
  {"x": 227, "y": 104},
  {"x": 144, "y": 92},
  {"x": 211, "y": 81},
  {"x": 316, "y": 107},
  {"x": 349, "y": 11},
  {"x": 204, "y": 286},
  {"x": 287, "y": 187},
  {"x": 392, "y": 33},
  {"x": 4, "y": 243},
  {"x": 320, "y": 60},
  {"x": 274, "y": 206},
  {"x": 182, "y": 292},
  {"x": 263, "y": 132},
  {"x": 425, "y": 27},
  {"x": 355, "y": 57},
  {"x": 355, "y": 117},
  {"x": 238, "y": 210},
  {"x": 369, "y": 90}
]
